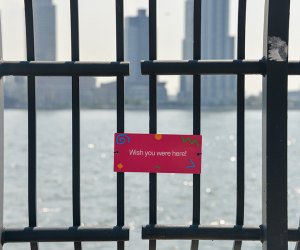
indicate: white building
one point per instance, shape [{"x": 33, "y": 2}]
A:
[{"x": 215, "y": 44}]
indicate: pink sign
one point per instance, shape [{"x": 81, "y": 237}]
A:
[{"x": 158, "y": 153}]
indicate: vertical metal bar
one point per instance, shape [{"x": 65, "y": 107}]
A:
[
  {"x": 31, "y": 121},
  {"x": 196, "y": 112},
  {"x": 240, "y": 122},
  {"x": 1, "y": 144},
  {"x": 120, "y": 112},
  {"x": 75, "y": 119},
  {"x": 152, "y": 115},
  {"x": 274, "y": 190}
]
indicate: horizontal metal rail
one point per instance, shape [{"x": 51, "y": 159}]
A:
[
  {"x": 211, "y": 67},
  {"x": 194, "y": 232},
  {"x": 68, "y": 68},
  {"x": 193, "y": 67},
  {"x": 71, "y": 234},
  {"x": 294, "y": 67}
]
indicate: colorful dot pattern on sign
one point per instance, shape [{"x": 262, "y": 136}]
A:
[{"x": 157, "y": 153}]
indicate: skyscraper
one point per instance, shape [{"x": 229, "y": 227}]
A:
[
  {"x": 137, "y": 49},
  {"x": 216, "y": 44},
  {"x": 45, "y": 30},
  {"x": 51, "y": 92},
  {"x": 136, "y": 42}
]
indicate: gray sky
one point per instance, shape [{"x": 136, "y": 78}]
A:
[{"x": 97, "y": 31}]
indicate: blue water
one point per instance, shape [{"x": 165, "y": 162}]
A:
[{"x": 98, "y": 181}]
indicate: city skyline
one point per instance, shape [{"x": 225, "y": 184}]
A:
[
  {"x": 52, "y": 92},
  {"x": 170, "y": 33}
]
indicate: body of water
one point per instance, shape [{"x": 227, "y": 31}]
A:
[{"x": 98, "y": 181}]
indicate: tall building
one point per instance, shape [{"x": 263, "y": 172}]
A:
[
  {"x": 215, "y": 44},
  {"x": 53, "y": 92},
  {"x": 137, "y": 49},
  {"x": 44, "y": 15},
  {"x": 136, "y": 43}
]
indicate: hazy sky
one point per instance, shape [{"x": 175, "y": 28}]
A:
[{"x": 97, "y": 32}]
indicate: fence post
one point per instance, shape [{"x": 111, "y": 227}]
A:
[
  {"x": 274, "y": 189},
  {"x": 1, "y": 144}
]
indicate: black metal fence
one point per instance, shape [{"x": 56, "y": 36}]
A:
[{"x": 275, "y": 68}]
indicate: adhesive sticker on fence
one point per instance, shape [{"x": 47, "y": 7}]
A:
[{"x": 157, "y": 153}]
